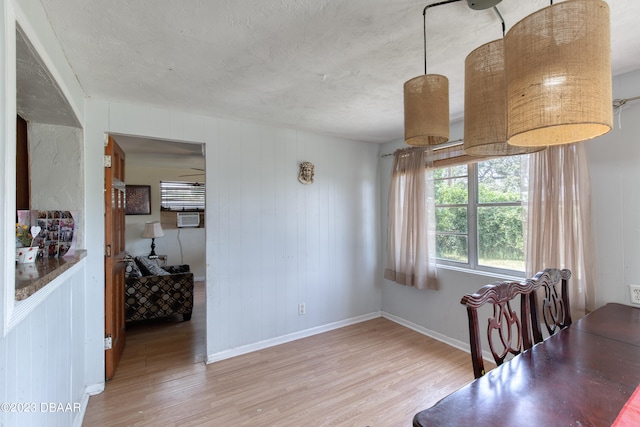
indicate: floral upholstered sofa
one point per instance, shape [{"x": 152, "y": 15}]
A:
[{"x": 153, "y": 292}]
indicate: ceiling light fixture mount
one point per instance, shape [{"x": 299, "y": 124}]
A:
[{"x": 482, "y": 4}]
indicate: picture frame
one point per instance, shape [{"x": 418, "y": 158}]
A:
[{"x": 138, "y": 200}]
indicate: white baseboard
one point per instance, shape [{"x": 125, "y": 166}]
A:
[
  {"x": 486, "y": 355},
  {"x": 428, "y": 332},
  {"x": 94, "y": 389},
  {"x": 88, "y": 392},
  {"x": 261, "y": 345}
]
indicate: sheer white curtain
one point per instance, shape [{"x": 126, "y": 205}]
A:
[
  {"x": 557, "y": 203},
  {"x": 411, "y": 220}
]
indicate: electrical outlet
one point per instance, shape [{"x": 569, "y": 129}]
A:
[
  {"x": 302, "y": 309},
  {"x": 634, "y": 291}
]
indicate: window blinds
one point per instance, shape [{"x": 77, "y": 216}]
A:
[{"x": 182, "y": 196}]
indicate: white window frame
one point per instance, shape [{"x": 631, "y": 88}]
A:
[{"x": 472, "y": 206}]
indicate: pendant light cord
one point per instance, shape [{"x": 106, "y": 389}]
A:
[
  {"x": 424, "y": 26},
  {"x": 501, "y": 19}
]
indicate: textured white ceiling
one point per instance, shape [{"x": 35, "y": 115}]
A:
[
  {"x": 330, "y": 66},
  {"x": 38, "y": 96}
]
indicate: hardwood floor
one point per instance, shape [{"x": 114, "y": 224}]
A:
[{"x": 376, "y": 373}]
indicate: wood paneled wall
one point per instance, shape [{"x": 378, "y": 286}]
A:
[
  {"x": 274, "y": 243},
  {"x": 43, "y": 358}
]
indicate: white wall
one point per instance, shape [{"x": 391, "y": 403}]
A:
[
  {"x": 274, "y": 243},
  {"x": 271, "y": 242},
  {"x": 614, "y": 164},
  {"x": 56, "y": 156},
  {"x": 43, "y": 357},
  {"x": 182, "y": 246}
]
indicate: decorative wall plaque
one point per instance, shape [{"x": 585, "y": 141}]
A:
[
  {"x": 138, "y": 200},
  {"x": 305, "y": 176}
]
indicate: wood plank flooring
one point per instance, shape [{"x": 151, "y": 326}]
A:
[{"x": 376, "y": 373}]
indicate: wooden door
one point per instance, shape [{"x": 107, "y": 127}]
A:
[{"x": 114, "y": 203}]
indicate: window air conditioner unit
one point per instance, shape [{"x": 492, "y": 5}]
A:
[{"x": 188, "y": 219}]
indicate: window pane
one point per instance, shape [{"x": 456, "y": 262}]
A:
[
  {"x": 452, "y": 219},
  {"x": 451, "y": 191},
  {"x": 452, "y": 247},
  {"x": 453, "y": 171},
  {"x": 499, "y": 180},
  {"x": 500, "y": 240}
]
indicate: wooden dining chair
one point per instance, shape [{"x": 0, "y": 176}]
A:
[
  {"x": 507, "y": 333},
  {"x": 556, "y": 310}
]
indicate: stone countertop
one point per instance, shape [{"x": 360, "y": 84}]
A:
[{"x": 33, "y": 276}]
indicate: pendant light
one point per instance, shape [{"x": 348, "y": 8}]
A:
[
  {"x": 485, "y": 102},
  {"x": 426, "y": 103},
  {"x": 558, "y": 74},
  {"x": 426, "y": 110}
]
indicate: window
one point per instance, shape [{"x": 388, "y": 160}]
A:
[
  {"x": 479, "y": 215},
  {"x": 181, "y": 196}
]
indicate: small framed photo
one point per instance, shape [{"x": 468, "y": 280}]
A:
[{"x": 138, "y": 200}]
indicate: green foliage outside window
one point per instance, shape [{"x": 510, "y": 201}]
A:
[{"x": 451, "y": 194}]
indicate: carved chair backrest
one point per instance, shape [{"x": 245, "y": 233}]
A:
[
  {"x": 555, "y": 311},
  {"x": 507, "y": 333}
]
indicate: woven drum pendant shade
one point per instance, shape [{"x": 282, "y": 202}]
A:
[
  {"x": 485, "y": 104},
  {"x": 426, "y": 110},
  {"x": 558, "y": 70}
]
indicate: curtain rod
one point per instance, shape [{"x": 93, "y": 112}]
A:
[
  {"x": 437, "y": 147},
  {"x": 617, "y": 103}
]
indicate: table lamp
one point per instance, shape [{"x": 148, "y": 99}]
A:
[{"x": 151, "y": 231}]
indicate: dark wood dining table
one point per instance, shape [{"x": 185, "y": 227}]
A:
[{"x": 582, "y": 376}]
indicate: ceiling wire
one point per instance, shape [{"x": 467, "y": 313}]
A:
[
  {"x": 495, "y": 8},
  {"x": 424, "y": 26}
]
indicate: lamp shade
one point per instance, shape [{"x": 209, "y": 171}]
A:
[
  {"x": 426, "y": 110},
  {"x": 558, "y": 72},
  {"x": 152, "y": 230},
  {"x": 485, "y": 104}
]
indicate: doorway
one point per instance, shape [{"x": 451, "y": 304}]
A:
[{"x": 150, "y": 161}]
